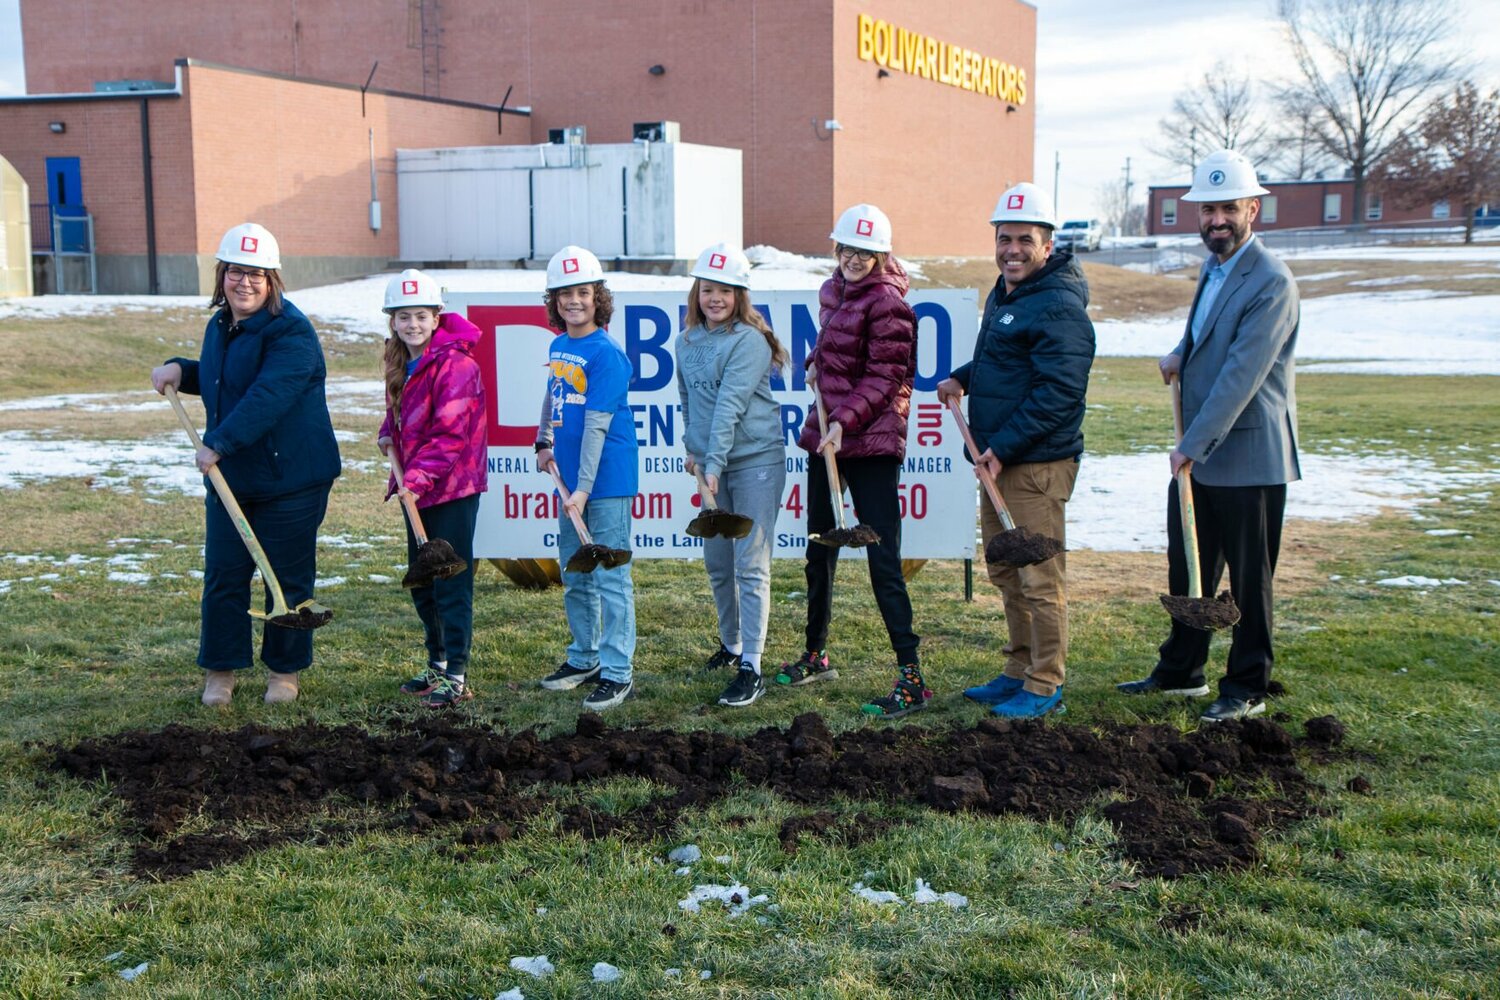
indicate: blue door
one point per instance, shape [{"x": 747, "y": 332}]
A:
[{"x": 65, "y": 196}]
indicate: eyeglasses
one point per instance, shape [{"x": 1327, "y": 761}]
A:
[
  {"x": 235, "y": 276},
  {"x": 847, "y": 253}
]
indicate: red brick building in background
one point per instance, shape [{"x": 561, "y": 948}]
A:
[
  {"x": 1294, "y": 205},
  {"x": 927, "y": 110}
]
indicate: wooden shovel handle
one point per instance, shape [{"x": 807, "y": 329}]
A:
[
  {"x": 583, "y": 533},
  {"x": 236, "y": 515},
  {"x": 984, "y": 475},
  {"x": 703, "y": 494},
  {"x": 407, "y": 502},
  {"x": 835, "y": 488},
  {"x": 1185, "y": 500}
]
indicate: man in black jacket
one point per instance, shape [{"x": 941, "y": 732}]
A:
[{"x": 1026, "y": 388}]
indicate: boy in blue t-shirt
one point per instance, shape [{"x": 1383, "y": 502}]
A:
[{"x": 588, "y": 432}]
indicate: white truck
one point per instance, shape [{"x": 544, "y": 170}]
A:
[{"x": 1079, "y": 235}]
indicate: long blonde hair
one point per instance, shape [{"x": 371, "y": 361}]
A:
[
  {"x": 396, "y": 357},
  {"x": 745, "y": 313}
]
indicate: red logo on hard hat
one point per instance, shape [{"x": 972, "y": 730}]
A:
[
  {"x": 570, "y": 265},
  {"x": 1016, "y": 201},
  {"x": 716, "y": 261},
  {"x": 408, "y": 288},
  {"x": 864, "y": 227},
  {"x": 249, "y": 243}
]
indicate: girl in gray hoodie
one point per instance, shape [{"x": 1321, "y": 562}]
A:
[{"x": 732, "y": 434}]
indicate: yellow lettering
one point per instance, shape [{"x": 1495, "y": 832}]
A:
[
  {"x": 1010, "y": 83},
  {"x": 931, "y": 60},
  {"x": 922, "y": 55},
  {"x": 866, "y": 37},
  {"x": 1021, "y": 86},
  {"x": 987, "y": 77},
  {"x": 882, "y": 43}
]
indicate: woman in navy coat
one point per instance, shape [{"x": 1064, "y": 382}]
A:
[{"x": 260, "y": 374}]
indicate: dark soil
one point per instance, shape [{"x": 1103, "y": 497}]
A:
[
  {"x": 1207, "y": 614},
  {"x": 436, "y": 560},
  {"x": 716, "y": 523},
  {"x": 1179, "y": 802},
  {"x": 1021, "y": 547},
  {"x": 856, "y": 537},
  {"x": 593, "y": 555},
  {"x": 305, "y": 618}
]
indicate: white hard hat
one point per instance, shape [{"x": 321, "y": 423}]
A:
[
  {"x": 724, "y": 263},
  {"x": 865, "y": 227},
  {"x": 1226, "y": 175},
  {"x": 573, "y": 266},
  {"x": 250, "y": 245},
  {"x": 412, "y": 288},
  {"x": 1024, "y": 203}
]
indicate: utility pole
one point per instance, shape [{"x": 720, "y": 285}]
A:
[
  {"x": 1056, "y": 170},
  {"x": 1125, "y": 214}
]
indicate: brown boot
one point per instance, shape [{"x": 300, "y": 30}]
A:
[
  {"x": 218, "y": 687},
  {"x": 281, "y": 688}
]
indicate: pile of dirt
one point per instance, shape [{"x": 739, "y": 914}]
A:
[{"x": 1180, "y": 802}]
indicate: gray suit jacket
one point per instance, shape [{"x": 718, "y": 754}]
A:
[{"x": 1239, "y": 399}]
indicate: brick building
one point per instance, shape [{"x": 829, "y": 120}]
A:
[
  {"x": 927, "y": 110},
  {"x": 1294, "y": 205}
]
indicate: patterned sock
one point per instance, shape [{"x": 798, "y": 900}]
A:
[{"x": 912, "y": 674}]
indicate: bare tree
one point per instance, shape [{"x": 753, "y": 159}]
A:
[
  {"x": 1117, "y": 212},
  {"x": 1218, "y": 112},
  {"x": 1363, "y": 66},
  {"x": 1453, "y": 154},
  {"x": 1296, "y": 153}
]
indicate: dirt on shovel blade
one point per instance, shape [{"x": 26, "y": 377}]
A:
[
  {"x": 436, "y": 560},
  {"x": 246, "y": 789},
  {"x": 304, "y": 618},
  {"x": 850, "y": 538},
  {"x": 1205, "y": 613},
  {"x": 1021, "y": 547}
]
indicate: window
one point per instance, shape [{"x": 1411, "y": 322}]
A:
[
  {"x": 1440, "y": 209},
  {"x": 1333, "y": 207},
  {"x": 1268, "y": 208},
  {"x": 1169, "y": 211},
  {"x": 1374, "y": 207}
]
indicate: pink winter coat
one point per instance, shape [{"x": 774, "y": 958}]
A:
[
  {"x": 441, "y": 438},
  {"x": 866, "y": 355}
]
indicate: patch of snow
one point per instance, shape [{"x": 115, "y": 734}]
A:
[
  {"x": 514, "y": 994},
  {"x": 382, "y": 578},
  {"x": 536, "y": 965},
  {"x": 1403, "y": 254},
  {"x": 332, "y": 581},
  {"x": 722, "y": 859},
  {"x": 130, "y": 975},
  {"x": 605, "y": 973},
  {"x": 705, "y": 974},
  {"x": 1326, "y": 275},
  {"x": 674, "y": 973},
  {"x": 115, "y": 576},
  {"x": 342, "y": 542},
  {"x": 1419, "y": 581},
  {"x": 685, "y": 855},
  {"x": 1443, "y": 532},
  {"x": 880, "y": 897},
  {"x": 924, "y": 894},
  {"x": 684, "y": 870},
  {"x": 736, "y": 898},
  {"x": 114, "y": 956},
  {"x": 1402, "y": 279}
]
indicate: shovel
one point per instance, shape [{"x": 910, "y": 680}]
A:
[
  {"x": 1015, "y": 547},
  {"x": 858, "y": 536},
  {"x": 1194, "y": 610},
  {"x": 308, "y": 614},
  {"x": 436, "y": 559},
  {"x": 713, "y": 521},
  {"x": 589, "y": 556}
]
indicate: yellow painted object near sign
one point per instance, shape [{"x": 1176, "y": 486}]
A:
[
  {"x": 15, "y": 233},
  {"x": 921, "y": 55}
]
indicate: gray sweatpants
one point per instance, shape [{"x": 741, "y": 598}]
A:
[{"x": 740, "y": 570}]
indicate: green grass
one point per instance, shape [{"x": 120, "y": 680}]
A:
[{"x": 1391, "y": 895}]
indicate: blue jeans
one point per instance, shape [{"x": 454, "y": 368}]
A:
[
  {"x": 287, "y": 528},
  {"x": 446, "y": 607},
  {"x": 600, "y": 605}
]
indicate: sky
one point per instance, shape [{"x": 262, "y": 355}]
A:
[{"x": 1106, "y": 74}]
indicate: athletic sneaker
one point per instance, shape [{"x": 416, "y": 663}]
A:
[
  {"x": 812, "y": 667},
  {"x": 606, "y": 694},
  {"x": 567, "y": 677},
  {"x": 908, "y": 695},
  {"x": 1002, "y": 688},
  {"x": 1226, "y": 709},
  {"x": 1025, "y": 705},
  {"x": 1150, "y": 685},
  {"x": 744, "y": 689},
  {"x": 723, "y": 658},
  {"x": 424, "y": 682},
  {"x": 448, "y": 692}
]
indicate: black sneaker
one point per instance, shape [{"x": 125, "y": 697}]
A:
[
  {"x": 723, "y": 658},
  {"x": 812, "y": 667},
  {"x": 567, "y": 677},
  {"x": 909, "y": 694},
  {"x": 606, "y": 694},
  {"x": 424, "y": 682},
  {"x": 744, "y": 689},
  {"x": 448, "y": 692}
]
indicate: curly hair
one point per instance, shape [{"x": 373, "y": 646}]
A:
[{"x": 604, "y": 306}]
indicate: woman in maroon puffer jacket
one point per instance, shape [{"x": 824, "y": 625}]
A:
[{"x": 864, "y": 362}]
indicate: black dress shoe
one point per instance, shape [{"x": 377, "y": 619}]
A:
[{"x": 1226, "y": 709}]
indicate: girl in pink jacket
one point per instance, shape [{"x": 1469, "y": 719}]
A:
[{"x": 435, "y": 421}]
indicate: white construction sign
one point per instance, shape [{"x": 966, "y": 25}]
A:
[{"x": 518, "y": 516}]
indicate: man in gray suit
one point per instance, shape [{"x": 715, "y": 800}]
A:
[{"x": 1239, "y": 410}]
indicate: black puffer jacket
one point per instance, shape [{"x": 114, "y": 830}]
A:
[{"x": 1031, "y": 366}]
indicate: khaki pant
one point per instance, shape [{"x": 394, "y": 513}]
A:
[{"x": 1036, "y": 601}]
